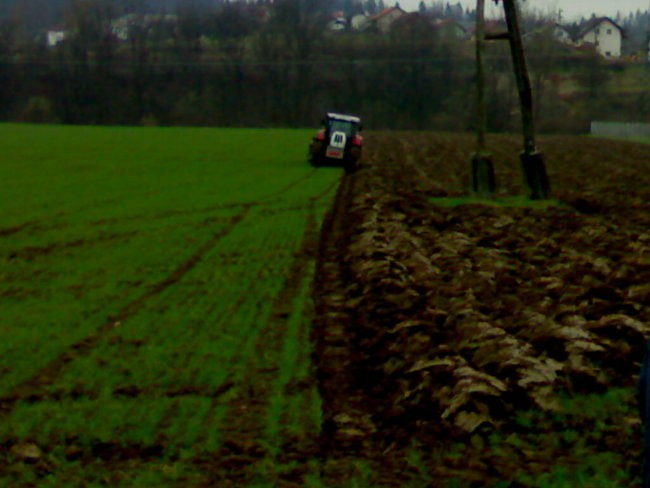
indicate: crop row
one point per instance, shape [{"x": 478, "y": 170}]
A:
[{"x": 137, "y": 298}]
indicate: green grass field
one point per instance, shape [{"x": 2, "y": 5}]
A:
[
  {"x": 640, "y": 140},
  {"x": 148, "y": 279}
]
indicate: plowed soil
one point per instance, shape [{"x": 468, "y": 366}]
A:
[{"x": 481, "y": 343}]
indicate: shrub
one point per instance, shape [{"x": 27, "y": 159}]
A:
[{"x": 39, "y": 110}]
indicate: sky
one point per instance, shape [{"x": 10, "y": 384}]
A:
[{"x": 572, "y": 9}]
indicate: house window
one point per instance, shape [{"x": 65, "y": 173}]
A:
[
  {"x": 609, "y": 31},
  {"x": 608, "y": 54},
  {"x": 597, "y": 31}
]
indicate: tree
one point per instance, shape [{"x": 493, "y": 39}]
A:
[
  {"x": 91, "y": 50},
  {"x": 191, "y": 25},
  {"x": 7, "y": 46},
  {"x": 296, "y": 27},
  {"x": 357, "y": 8},
  {"x": 371, "y": 7},
  {"x": 592, "y": 76},
  {"x": 232, "y": 21}
]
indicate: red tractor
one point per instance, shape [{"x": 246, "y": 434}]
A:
[{"x": 338, "y": 143}]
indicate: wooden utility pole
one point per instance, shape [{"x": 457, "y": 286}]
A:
[
  {"x": 483, "y": 180},
  {"x": 480, "y": 76},
  {"x": 532, "y": 162},
  {"x": 521, "y": 74}
]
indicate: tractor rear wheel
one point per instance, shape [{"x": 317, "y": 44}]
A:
[{"x": 316, "y": 153}]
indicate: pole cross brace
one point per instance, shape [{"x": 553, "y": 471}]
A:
[{"x": 497, "y": 36}]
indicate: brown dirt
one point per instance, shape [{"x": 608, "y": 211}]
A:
[
  {"x": 9, "y": 231},
  {"x": 29, "y": 253},
  {"x": 441, "y": 323}
]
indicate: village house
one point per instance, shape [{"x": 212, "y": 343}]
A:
[
  {"x": 360, "y": 22},
  {"x": 337, "y": 21},
  {"x": 411, "y": 25},
  {"x": 384, "y": 19},
  {"x": 604, "y": 34},
  {"x": 552, "y": 30},
  {"x": 55, "y": 35}
]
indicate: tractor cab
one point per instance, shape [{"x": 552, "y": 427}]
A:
[
  {"x": 338, "y": 143},
  {"x": 348, "y": 124}
]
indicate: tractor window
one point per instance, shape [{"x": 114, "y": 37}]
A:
[{"x": 342, "y": 126}]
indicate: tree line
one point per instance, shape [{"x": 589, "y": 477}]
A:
[{"x": 262, "y": 63}]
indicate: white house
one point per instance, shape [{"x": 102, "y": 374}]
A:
[
  {"x": 384, "y": 19},
  {"x": 359, "y": 22},
  {"x": 55, "y": 35},
  {"x": 605, "y": 34}
]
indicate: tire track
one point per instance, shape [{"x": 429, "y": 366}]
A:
[
  {"x": 345, "y": 423},
  {"x": 245, "y": 447},
  {"x": 288, "y": 187},
  {"x": 349, "y": 435},
  {"x": 32, "y": 389},
  {"x": 29, "y": 253},
  {"x": 14, "y": 230},
  {"x": 6, "y": 232}
]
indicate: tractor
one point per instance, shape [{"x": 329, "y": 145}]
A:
[{"x": 338, "y": 143}]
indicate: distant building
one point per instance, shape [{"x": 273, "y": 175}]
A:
[
  {"x": 384, "y": 19},
  {"x": 552, "y": 30},
  {"x": 412, "y": 24},
  {"x": 605, "y": 34},
  {"x": 338, "y": 22},
  {"x": 55, "y": 35},
  {"x": 360, "y": 22}
]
